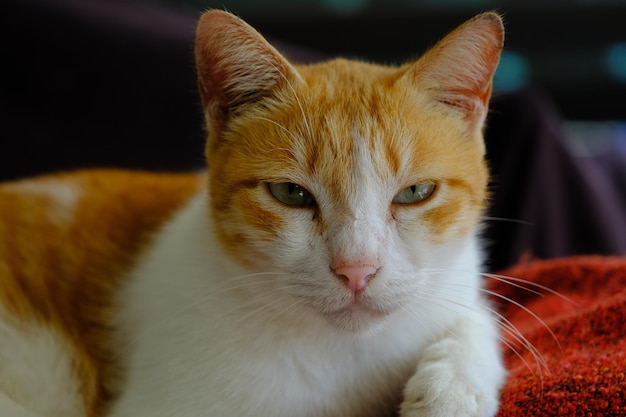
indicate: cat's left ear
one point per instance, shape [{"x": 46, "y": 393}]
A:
[{"x": 458, "y": 71}]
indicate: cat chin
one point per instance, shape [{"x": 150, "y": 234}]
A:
[{"x": 357, "y": 318}]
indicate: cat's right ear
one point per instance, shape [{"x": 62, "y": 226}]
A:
[{"x": 235, "y": 66}]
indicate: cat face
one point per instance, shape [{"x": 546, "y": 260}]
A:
[{"x": 347, "y": 180}]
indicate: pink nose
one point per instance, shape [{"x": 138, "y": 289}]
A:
[{"x": 356, "y": 277}]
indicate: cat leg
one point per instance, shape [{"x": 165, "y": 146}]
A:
[{"x": 460, "y": 374}]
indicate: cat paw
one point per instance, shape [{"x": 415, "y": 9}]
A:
[{"x": 441, "y": 392}]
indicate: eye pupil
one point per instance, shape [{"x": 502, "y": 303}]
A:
[{"x": 291, "y": 194}]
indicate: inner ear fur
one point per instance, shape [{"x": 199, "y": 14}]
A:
[
  {"x": 458, "y": 71},
  {"x": 235, "y": 66}
]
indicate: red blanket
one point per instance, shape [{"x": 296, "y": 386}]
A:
[{"x": 579, "y": 338}]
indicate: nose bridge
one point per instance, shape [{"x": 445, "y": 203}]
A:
[
  {"x": 355, "y": 239},
  {"x": 358, "y": 226}
]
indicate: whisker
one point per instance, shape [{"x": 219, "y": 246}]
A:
[
  {"x": 421, "y": 314},
  {"x": 539, "y": 360},
  {"x": 240, "y": 286},
  {"x": 255, "y": 274},
  {"x": 512, "y": 301},
  {"x": 513, "y": 282},
  {"x": 516, "y": 285},
  {"x": 286, "y": 309},
  {"x": 504, "y": 324},
  {"x": 527, "y": 310},
  {"x": 504, "y": 219},
  {"x": 519, "y": 337},
  {"x": 275, "y": 123},
  {"x": 203, "y": 299},
  {"x": 433, "y": 297},
  {"x": 298, "y": 101},
  {"x": 280, "y": 291}
]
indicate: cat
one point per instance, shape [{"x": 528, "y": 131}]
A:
[{"x": 326, "y": 264}]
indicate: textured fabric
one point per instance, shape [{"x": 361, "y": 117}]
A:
[{"x": 578, "y": 330}]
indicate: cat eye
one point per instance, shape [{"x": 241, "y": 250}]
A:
[
  {"x": 415, "y": 193},
  {"x": 291, "y": 194}
]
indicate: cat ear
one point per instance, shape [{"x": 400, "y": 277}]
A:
[
  {"x": 235, "y": 66},
  {"x": 458, "y": 70}
]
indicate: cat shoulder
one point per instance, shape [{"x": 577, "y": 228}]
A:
[{"x": 60, "y": 223}]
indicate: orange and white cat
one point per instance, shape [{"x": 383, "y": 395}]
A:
[{"x": 327, "y": 264}]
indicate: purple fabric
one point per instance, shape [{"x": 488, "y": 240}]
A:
[
  {"x": 555, "y": 204},
  {"x": 111, "y": 83}
]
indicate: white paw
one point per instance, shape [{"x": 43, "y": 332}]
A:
[{"x": 439, "y": 390}]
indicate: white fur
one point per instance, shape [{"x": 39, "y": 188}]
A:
[
  {"x": 203, "y": 337},
  {"x": 37, "y": 376}
]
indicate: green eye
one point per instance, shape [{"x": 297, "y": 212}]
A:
[
  {"x": 414, "y": 193},
  {"x": 291, "y": 194}
]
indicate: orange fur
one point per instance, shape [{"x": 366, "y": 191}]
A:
[{"x": 62, "y": 272}]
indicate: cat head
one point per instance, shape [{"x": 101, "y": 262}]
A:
[{"x": 349, "y": 180}]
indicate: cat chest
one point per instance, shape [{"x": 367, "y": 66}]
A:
[
  {"x": 316, "y": 379},
  {"x": 264, "y": 376}
]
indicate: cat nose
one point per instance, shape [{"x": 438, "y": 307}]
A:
[{"x": 356, "y": 277}]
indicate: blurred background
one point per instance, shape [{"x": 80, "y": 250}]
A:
[
  {"x": 574, "y": 49},
  {"x": 111, "y": 83}
]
